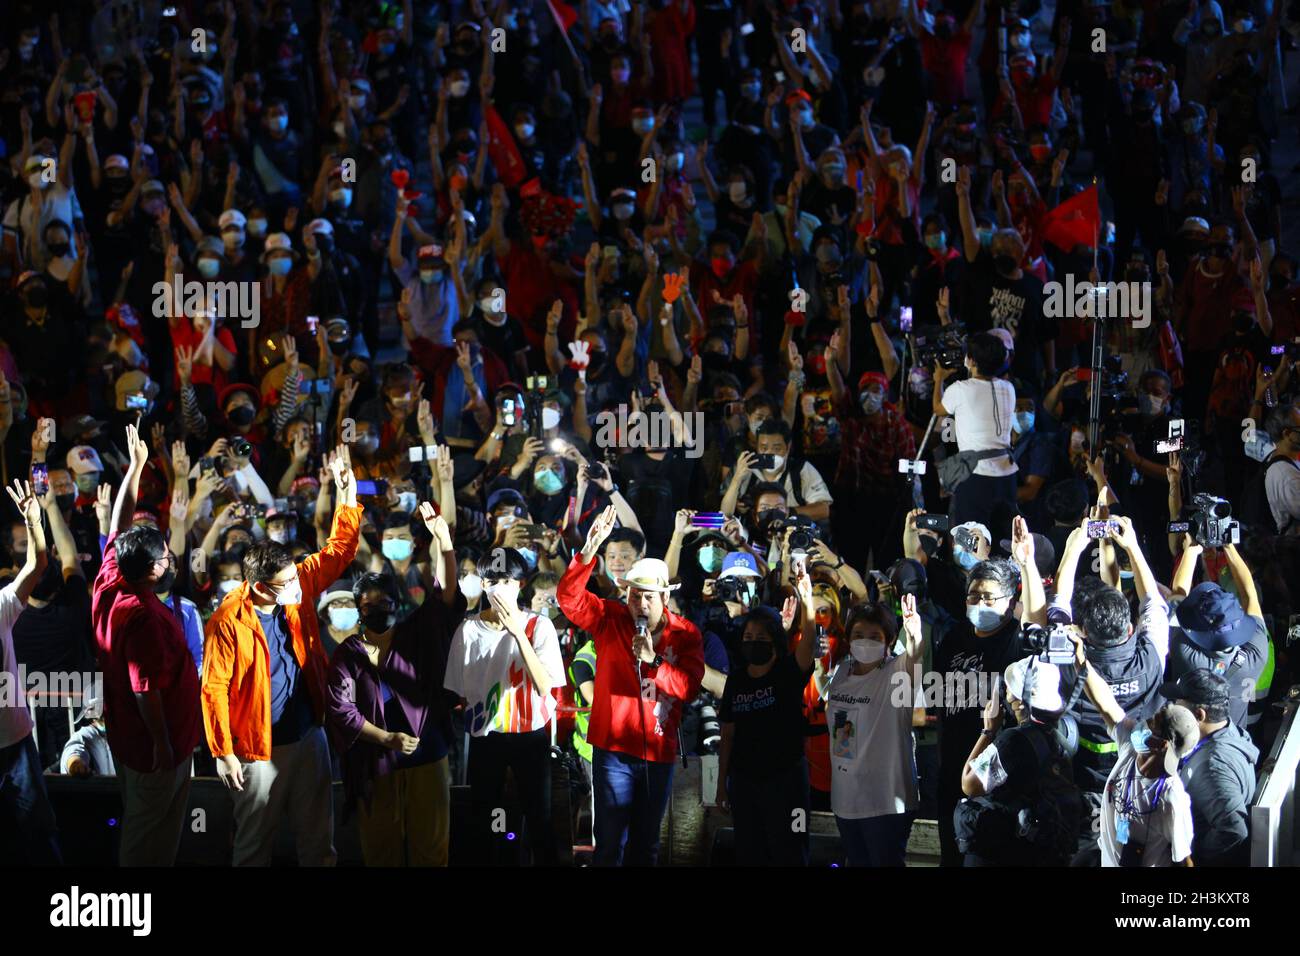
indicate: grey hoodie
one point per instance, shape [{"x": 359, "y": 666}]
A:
[{"x": 1220, "y": 779}]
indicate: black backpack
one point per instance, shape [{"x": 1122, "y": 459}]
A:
[{"x": 1254, "y": 510}]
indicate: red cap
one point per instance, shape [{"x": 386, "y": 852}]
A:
[
  {"x": 798, "y": 95},
  {"x": 873, "y": 378}
]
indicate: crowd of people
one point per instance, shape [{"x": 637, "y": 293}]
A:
[{"x": 392, "y": 388}]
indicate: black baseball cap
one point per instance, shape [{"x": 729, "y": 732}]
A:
[{"x": 1201, "y": 687}]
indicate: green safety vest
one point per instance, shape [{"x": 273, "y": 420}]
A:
[{"x": 582, "y": 718}]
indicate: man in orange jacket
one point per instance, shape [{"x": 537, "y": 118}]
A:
[{"x": 264, "y": 678}]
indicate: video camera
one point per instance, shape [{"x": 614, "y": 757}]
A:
[
  {"x": 943, "y": 344},
  {"x": 1212, "y": 524},
  {"x": 1051, "y": 645}
]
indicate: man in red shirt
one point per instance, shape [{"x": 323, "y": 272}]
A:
[
  {"x": 151, "y": 685},
  {"x": 650, "y": 664}
]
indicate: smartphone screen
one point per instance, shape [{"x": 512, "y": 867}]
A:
[
  {"x": 40, "y": 479},
  {"x": 905, "y": 319},
  {"x": 708, "y": 519},
  {"x": 368, "y": 487}
]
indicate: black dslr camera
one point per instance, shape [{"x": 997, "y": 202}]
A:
[{"x": 804, "y": 531}]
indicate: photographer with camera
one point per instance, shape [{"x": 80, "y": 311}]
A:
[
  {"x": 1222, "y": 632},
  {"x": 1130, "y": 660},
  {"x": 1142, "y": 824},
  {"x": 1022, "y": 806},
  {"x": 1282, "y": 470},
  {"x": 802, "y": 482},
  {"x": 982, "y": 407}
]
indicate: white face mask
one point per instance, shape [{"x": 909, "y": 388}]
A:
[
  {"x": 623, "y": 211},
  {"x": 291, "y": 593},
  {"x": 737, "y": 192},
  {"x": 778, "y": 462},
  {"x": 550, "y": 418},
  {"x": 487, "y": 305},
  {"x": 232, "y": 240},
  {"x": 866, "y": 651},
  {"x": 508, "y": 593},
  {"x": 225, "y": 587},
  {"x": 471, "y": 585},
  {"x": 342, "y": 196},
  {"x": 459, "y": 88}
]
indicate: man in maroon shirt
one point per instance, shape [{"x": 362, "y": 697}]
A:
[
  {"x": 151, "y": 685},
  {"x": 649, "y": 665},
  {"x": 1211, "y": 289}
]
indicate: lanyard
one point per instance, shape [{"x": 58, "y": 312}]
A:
[{"x": 1153, "y": 794}]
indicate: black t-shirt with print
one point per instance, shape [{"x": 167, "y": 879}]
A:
[
  {"x": 990, "y": 301},
  {"x": 963, "y": 655},
  {"x": 768, "y": 714}
]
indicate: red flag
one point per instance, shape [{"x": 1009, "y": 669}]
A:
[
  {"x": 1074, "y": 222},
  {"x": 502, "y": 150},
  {"x": 564, "y": 14}
]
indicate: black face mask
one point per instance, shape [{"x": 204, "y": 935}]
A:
[
  {"x": 1242, "y": 324},
  {"x": 37, "y": 297},
  {"x": 757, "y": 653},
  {"x": 58, "y": 248},
  {"x": 65, "y": 502},
  {"x": 1137, "y": 275},
  {"x": 242, "y": 416},
  {"x": 164, "y": 583},
  {"x": 340, "y": 347},
  {"x": 325, "y": 244},
  {"x": 929, "y": 545},
  {"x": 1004, "y": 264},
  {"x": 378, "y": 620}
]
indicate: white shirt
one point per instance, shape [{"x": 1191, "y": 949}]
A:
[
  {"x": 1163, "y": 828},
  {"x": 979, "y": 423},
  {"x": 873, "y": 772},
  {"x": 812, "y": 487},
  {"x": 28, "y": 219},
  {"x": 15, "y": 721},
  {"x": 485, "y": 667}
]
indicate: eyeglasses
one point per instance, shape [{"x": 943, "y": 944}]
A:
[{"x": 985, "y": 598}]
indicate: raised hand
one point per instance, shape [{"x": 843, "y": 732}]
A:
[
  {"x": 673, "y": 285},
  {"x": 180, "y": 460},
  {"x": 599, "y": 531},
  {"x": 436, "y": 525},
  {"x": 25, "y": 501}
]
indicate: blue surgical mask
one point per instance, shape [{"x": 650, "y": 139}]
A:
[
  {"x": 965, "y": 559},
  {"x": 711, "y": 559},
  {"x": 547, "y": 481},
  {"x": 983, "y": 618},
  {"x": 1139, "y": 737},
  {"x": 530, "y": 556},
  {"x": 986, "y": 237},
  {"x": 1024, "y": 422},
  {"x": 344, "y": 618},
  {"x": 398, "y": 549},
  {"x": 280, "y": 266},
  {"x": 279, "y": 122},
  {"x": 407, "y": 501},
  {"x": 208, "y": 268}
]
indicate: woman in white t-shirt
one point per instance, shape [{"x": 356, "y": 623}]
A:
[
  {"x": 869, "y": 718},
  {"x": 982, "y": 407},
  {"x": 503, "y": 663},
  {"x": 1146, "y": 815}
]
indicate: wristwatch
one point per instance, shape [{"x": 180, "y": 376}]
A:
[{"x": 657, "y": 661}]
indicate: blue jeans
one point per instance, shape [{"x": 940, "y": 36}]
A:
[
  {"x": 627, "y": 813},
  {"x": 876, "y": 841},
  {"x": 28, "y": 833}
]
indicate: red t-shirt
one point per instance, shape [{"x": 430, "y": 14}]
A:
[
  {"x": 183, "y": 333},
  {"x": 142, "y": 648},
  {"x": 624, "y": 705},
  {"x": 945, "y": 63},
  {"x": 533, "y": 287}
]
